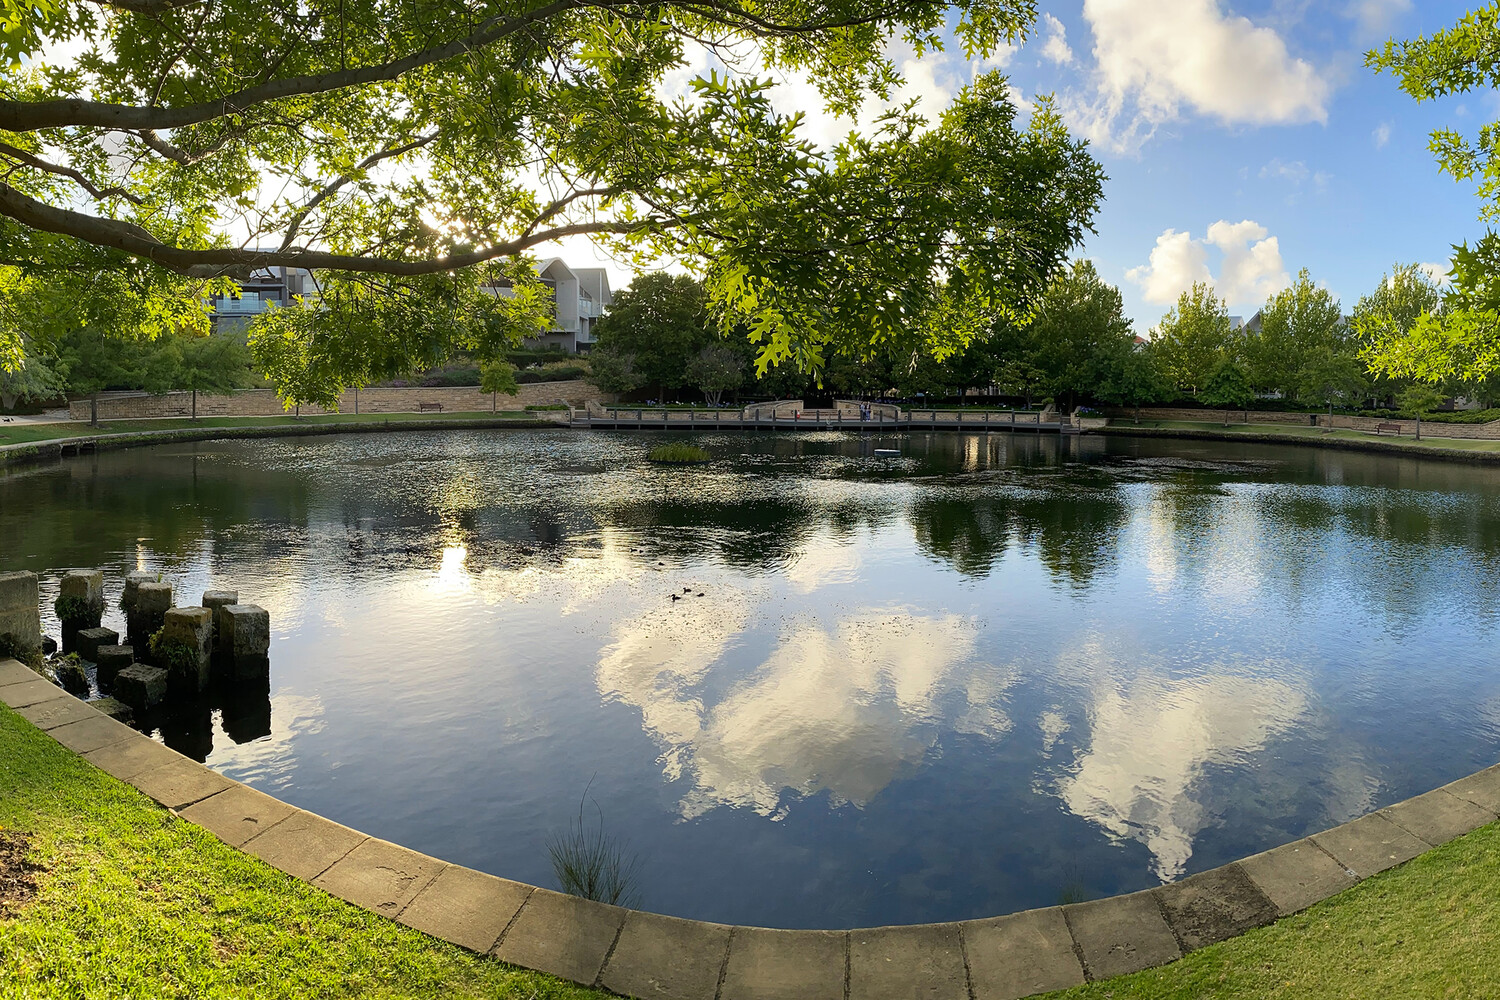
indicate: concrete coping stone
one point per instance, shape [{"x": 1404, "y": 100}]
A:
[{"x": 643, "y": 954}]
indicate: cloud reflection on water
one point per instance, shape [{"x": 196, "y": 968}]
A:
[
  {"x": 842, "y": 707},
  {"x": 1149, "y": 745}
]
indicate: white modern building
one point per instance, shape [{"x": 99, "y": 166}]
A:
[
  {"x": 579, "y": 295},
  {"x": 267, "y": 287}
]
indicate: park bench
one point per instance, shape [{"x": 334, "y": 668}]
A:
[
  {"x": 1382, "y": 428},
  {"x": 429, "y": 407}
]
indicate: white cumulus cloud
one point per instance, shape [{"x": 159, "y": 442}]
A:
[
  {"x": 1438, "y": 272},
  {"x": 1381, "y": 135},
  {"x": 1155, "y": 61},
  {"x": 1249, "y": 258},
  {"x": 1055, "y": 48},
  {"x": 1375, "y": 17}
]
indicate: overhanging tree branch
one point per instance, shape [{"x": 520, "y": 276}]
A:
[
  {"x": 97, "y": 193},
  {"x": 333, "y": 186},
  {"x": 213, "y": 263},
  {"x": 26, "y": 116}
]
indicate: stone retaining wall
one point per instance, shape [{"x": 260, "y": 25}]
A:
[
  {"x": 1430, "y": 428},
  {"x": 265, "y": 403}
]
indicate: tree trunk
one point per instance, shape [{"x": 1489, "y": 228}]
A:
[
  {"x": 195, "y": 404},
  {"x": 1137, "y": 412},
  {"x": 1419, "y": 426},
  {"x": 93, "y": 409}
]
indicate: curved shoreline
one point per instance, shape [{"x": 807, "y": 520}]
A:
[
  {"x": 642, "y": 954},
  {"x": 30, "y": 453},
  {"x": 26, "y": 453},
  {"x": 1373, "y": 445}
]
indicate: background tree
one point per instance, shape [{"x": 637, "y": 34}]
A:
[
  {"x": 1420, "y": 400},
  {"x": 1135, "y": 381},
  {"x": 32, "y": 379},
  {"x": 613, "y": 372},
  {"x": 1296, "y": 324},
  {"x": 1011, "y": 360},
  {"x": 1383, "y": 324},
  {"x": 1080, "y": 335},
  {"x": 1329, "y": 374},
  {"x": 393, "y": 148},
  {"x": 214, "y": 364},
  {"x": 715, "y": 370},
  {"x": 1192, "y": 338},
  {"x": 1228, "y": 387},
  {"x": 660, "y": 323}
]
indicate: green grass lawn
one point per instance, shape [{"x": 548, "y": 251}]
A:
[
  {"x": 29, "y": 433},
  {"x": 1428, "y": 929},
  {"x": 1217, "y": 428},
  {"x": 134, "y": 902}
]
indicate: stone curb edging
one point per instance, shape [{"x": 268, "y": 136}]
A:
[
  {"x": 1383, "y": 447},
  {"x": 641, "y": 954},
  {"x": 13, "y": 455}
]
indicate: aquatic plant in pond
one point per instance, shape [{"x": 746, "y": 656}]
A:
[
  {"x": 591, "y": 863},
  {"x": 679, "y": 454}
]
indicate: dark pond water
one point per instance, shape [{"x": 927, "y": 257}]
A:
[{"x": 993, "y": 674}]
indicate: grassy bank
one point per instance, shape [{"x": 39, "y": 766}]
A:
[
  {"x": 133, "y": 902},
  {"x": 1428, "y": 929},
  {"x": 31, "y": 433},
  {"x": 1306, "y": 435}
]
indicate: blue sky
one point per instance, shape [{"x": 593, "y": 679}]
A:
[
  {"x": 1243, "y": 140},
  {"x": 1327, "y": 159}
]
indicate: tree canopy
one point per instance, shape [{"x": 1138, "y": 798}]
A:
[
  {"x": 1459, "y": 344},
  {"x": 1193, "y": 337},
  {"x": 414, "y": 152}
]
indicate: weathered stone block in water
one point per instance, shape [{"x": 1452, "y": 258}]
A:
[
  {"x": 109, "y": 661},
  {"x": 141, "y": 687},
  {"x": 85, "y": 585},
  {"x": 72, "y": 677},
  {"x": 133, "y": 582},
  {"x": 187, "y": 631},
  {"x": 213, "y": 600},
  {"x": 113, "y": 708},
  {"x": 80, "y": 604},
  {"x": 90, "y": 639},
  {"x": 20, "y": 612},
  {"x": 153, "y": 598},
  {"x": 244, "y": 631},
  {"x": 148, "y": 613}
]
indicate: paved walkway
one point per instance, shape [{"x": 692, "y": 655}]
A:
[{"x": 647, "y": 955}]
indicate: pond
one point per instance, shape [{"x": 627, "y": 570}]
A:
[{"x": 809, "y": 686}]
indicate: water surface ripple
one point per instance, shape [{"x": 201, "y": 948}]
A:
[{"x": 995, "y": 673}]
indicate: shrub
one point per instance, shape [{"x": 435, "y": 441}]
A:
[
  {"x": 173, "y": 654},
  {"x": 552, "y": 373},
  {"x": 679, "y": 454},
  {"x": 1439, "y": 417},
  {"x": 547, "y": 406},
  {"x": 455, "y": 378},
  {"x": 74, "y": 609}
]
